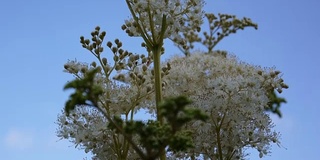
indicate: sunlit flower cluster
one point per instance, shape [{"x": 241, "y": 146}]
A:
[{"x": 234, "y": 95}]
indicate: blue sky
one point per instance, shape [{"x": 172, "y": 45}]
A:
[{"x": 38, "y": 37}]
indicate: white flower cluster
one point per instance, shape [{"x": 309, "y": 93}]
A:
[
  {"x": 180, "y": 15},
  {"x": 87, "y": 129},
  {"x": 234, "y": 94},
  {"x": 130, "y": 89}
]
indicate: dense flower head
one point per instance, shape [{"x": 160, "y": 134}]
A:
[
  {"x": 127, "y": 87},
  {"x": 148, "y": 17},
  {"x": 234, "y": 95},
  {"x": 87, "y": 129}
]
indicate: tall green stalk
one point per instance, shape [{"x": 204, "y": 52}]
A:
[
  {"x": 154, "y": 43},
  {"x": 158, "y": 87},
  {"x": 157, "y": 79},
  {"x": 157, "y": 72}
]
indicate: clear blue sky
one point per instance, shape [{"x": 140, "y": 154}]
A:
[{"x": 37, "y": 37}]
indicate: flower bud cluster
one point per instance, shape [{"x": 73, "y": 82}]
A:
[
  {"x": 222, "y": 26},
  {"x": 97, "y": 38},
  {"x": 127, "y": 78},
  {"x": 219, "y": 27},
  {"x": 234, "y": 95}
]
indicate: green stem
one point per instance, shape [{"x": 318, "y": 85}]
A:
[
  {"x": 218, "y": 130},
  {"x": 154, "y": 43},
  {"x": 153, "y": 32},
  {"x": 158, "y": 88},
  {"x": 144, "y": 34},
  {"x": 157, "y": 72},
  {"x": 219, "y": 144},
  {"x": 158, "y": 85}
]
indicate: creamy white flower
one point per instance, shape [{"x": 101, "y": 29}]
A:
[
  {"x": 86, "y": 127},
  {"x": 234, "y": 95}
]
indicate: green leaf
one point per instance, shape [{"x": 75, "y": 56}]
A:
[{"x": 85, "y": 91}]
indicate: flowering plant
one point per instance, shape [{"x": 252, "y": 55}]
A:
[{"x": 225, "y": 109}]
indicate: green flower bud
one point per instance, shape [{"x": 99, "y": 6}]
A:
[
  {"x": 164, "y": 69},
  {"x": 99, "y": 69},
  {"x": 148, "y": 89},
  {"x": 119, "y": 45},
  {"x": 121, "y": 51},
  {"x": 116, "y": 41},
  {"x": 96, "y": 51},
  {"x": 115, "y": 58},
  {"x": 87, "y": 41},
  {"x": 123, "y": 27},
  {"x": 100, "y": 49},
  {"x": 129, "y": 64},
  {"x": 132, "y": 58},
  {"x": 283, "y": 85},
  {"x": 83, "y": 70},
  {"x": 109, "y": 44},
  {"x": 144, "y": 68},
  {"x": 168, "y": 66},
  {"x": 144, "y": 60},
  {"x": 104, "y": 61},
  {"x": 93, "y": 34},
  {"x": 94, "y": 64},
  {"x": 132, "y": 75},
  {"x": 102, "y": 35},
  {"x": 66, "y": 66},
  {"x": 114, "y": 49},
  {"x": 125, "y": 53},
  {"x": 136, "y": 57},
  {"x": 82, "y": 39},
  {"x": 118, "y": 67}
]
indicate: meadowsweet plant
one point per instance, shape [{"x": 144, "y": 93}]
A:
[
  {"x": 207, "y": 104},
  {"x": 234, "y": 94}
]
